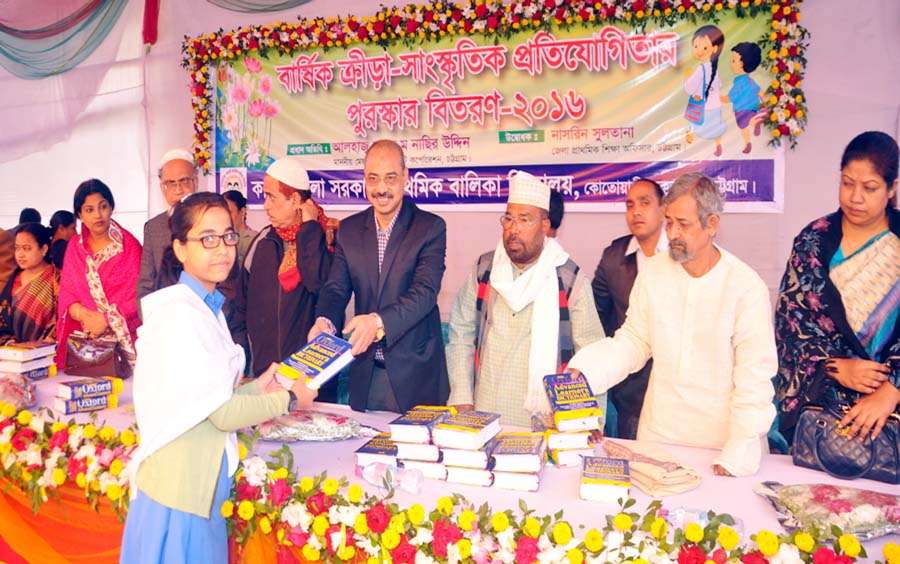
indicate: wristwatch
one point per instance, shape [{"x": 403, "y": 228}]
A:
[
  {"x": 292, "y": 402},
  {"x": 379, "y": 331}
]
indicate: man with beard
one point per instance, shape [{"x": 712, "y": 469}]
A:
[
  {"x": 705, "y": 318},
  {"x": 522, "y": 313},
  {"x": 390, "y": 256}
]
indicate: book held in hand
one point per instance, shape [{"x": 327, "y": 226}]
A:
[
  {"x": 519, "y": 452},
  {"x": 88, "y": 388},
  {"x": 466, "y": 430},
  {"x": 85, "y": 405},
  {"x": 572, "y": 403},
  {"x": 543, "y": 423},
  {"x": 27, "y": 350},
  {"x": 415, "y": 425},
  {"x": 379, "y": 449},
  {"x": 604, "y": 479},
  {"x": 318, "y": 361}
]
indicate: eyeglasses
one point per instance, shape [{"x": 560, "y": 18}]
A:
[
  {"x": 390, "y": 179},
  {"x": 508, "y": 221},
  {"x": 185, "y": 183},
  {"x": 212, "y": 241}
]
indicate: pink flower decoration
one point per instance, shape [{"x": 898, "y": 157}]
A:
[
  {"x": 820, "y": 224},
  {"x": 840, "y": 506},
  {"x": 265, "y": 84},
  {"x": 253, "y": 65},
  {"x": 256, "y": 108},
  {"x": 272, "y": 109},
  {"x": 280, "y": 491},
  {"x": 239, "y": 95}
]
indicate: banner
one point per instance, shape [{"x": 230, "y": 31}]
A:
[{"x": 589, "y": 109}]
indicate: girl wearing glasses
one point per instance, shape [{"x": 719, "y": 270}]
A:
[{"x": 185, "y": 399}]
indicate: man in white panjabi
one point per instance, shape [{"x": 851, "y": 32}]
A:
[
  {"x": 705, "y": 318},
  {"x": 522, "y": 313}
]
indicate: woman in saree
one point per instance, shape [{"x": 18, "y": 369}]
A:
[
  {"x": 99, "y": 276},
  {"x": 28, "y": 302},
  {"x": 836, "y": 315}
]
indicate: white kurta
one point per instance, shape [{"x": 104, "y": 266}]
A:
[{"x": 713, "y": 349}]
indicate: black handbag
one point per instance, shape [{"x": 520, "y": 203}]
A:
[
  {"x": 96, "y": 356},
  {"x": 821, "y": 444}
]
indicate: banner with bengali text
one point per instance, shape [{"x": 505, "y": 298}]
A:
[{"x": 587, "y": 109}]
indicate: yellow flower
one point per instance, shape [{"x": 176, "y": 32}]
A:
[
  {"x": 242, "y": 451},
  {"x": 59, "y": 476},
  {"x": 360, "y": 525},
  {"x": 532, "y": 527},
  {"x": 89, "y": 431},
  {"x": 58, "y": 426},
  {"x": 320, "y": 525},
  {"x": 280, "y": 536},
  {"x": 465, "y": 548},
  {"x": 280, "y": 474},
  {"x": 354, "y": 493},
  {"x": 659, "y": 528},
  {"x": 849, "y": 545},
  {"x": 107, "y": 433},
  {"x": 265, "y": 525},
  {"x": 416, "y": 514},
  {"x": 24, "y": 417},
  {"x": 767, "y": 542},
  {"x": 116, "y": 467},
  {"x": 95, "y": 485},
  {"x": 330, "y": 486},
  {"x": 81, "y": 480},
  {"x": 227, "y": 509},
  {"x": 575, "y": 556},
  {"x": 346, "y": 553},
  {"x": 593, "y": 540},
  {"x": 5, "y": 447},
  {"x": 623, "y": 522},
  {"x": 398, "y": 522},
  {"x": 728, "y": 538},
  {"x": 306, "y": 484},
  {"x": 114, "y": 492},
  {"x": 467, "y": 520},
  {"x": 245, "y": 510},
  {"x": 390, "y": 539},
  {"x": 127, "y": 437},
  {"x": 891, "y": 553},
  {"x": 562, "y": 533},
  {"x": 500, "y": 522},
  {"x": 311, "y": 553},
  {"x": 445, "y": 506},
  {"x": 693, "y": 532},
  {"x": 26, "y": 475},
  {"x": 8, "y": 410},
  {"x": 804, "y": 541}
]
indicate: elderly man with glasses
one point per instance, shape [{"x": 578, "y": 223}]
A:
[
  {"x": 522, "y": 313},
  {"x": 177, "y": 179}
]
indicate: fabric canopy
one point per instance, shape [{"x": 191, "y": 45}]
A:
[{"x": 257, "y": 6}]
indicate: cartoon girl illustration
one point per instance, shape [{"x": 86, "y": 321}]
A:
[{"x": 704, "y": 84}]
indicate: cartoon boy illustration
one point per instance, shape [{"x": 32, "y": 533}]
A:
[
  {"x": 704, "y": 83},
  {"x": 745, "y": 93}
]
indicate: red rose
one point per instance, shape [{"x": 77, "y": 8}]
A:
[
  {"x": 467, "y": 25},
  {"x": 793, "y": 51},
  {"x": 779, "y": 92},
  {"x": 59, "y": 439},
  {"x": 691, "y": 554},
  {"x": 75, "y": 466},
  {"x": 719, "y": 556},
  {"x": 686, "y": 4},
  {"x": 253, "y": 44},
  {"x": 785, "y": 130},
  {"x": 352, "y": 25},
  {"x": 444, "y": 533},
  {"x": 318, "y": 503},
  {"x": 527, "y": 550},
  {"x": 378, "y": 27},
  {"x": 246, "y": 491},
  {"x": 297, "y": 537},
  {"x": 492, "y": 22},
  {"x": 281, "y": 491},
  {"x": 823, "y": 556},
  {"x": 481, "y": 11},
  {"x": 411, "y": 26},
  {"x": 329, "y": 533},
  {"x": 842, "y": 559},
  {"x": 754, "y": 558},
  {"x": 22, "y": 439},
  {"x": 585, "y": 15},
  {"x": 549, "y": 4},
  {"x": 639, "y": 5},
  {"x": 456, "y": 15},
  {"x": 428, "y": 16},
  {"x": 363, "y": 32},
  {"x": 404, "y": 553},
  {"x": 560, "y": 14},
  {"x": 323, "y": 38},
  {"x": 395, "y": 21},
  {"x": 4, "y": 424},
  {"x": 377, "y": 518}
]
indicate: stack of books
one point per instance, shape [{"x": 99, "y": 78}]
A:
[
  {"x": 574, "y": 413},
  {"x": 380, "y": 449},
  {"x": 32, "y": 359},
  {"x": 87, "y": 394},
  {"x": 518, "y": 459},
  {"x": 466, "y": 440},
  {"x": 411, "y": 432},
  {"x": 607, "y": 480}
]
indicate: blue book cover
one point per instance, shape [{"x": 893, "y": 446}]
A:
[
  {"x": 84, "y": 405},
  {"x": 605, "y": 471},
  {"x": 318, "y": 361},
  {"x": 88, "y": 387},
  {"x": 469, "y": 421},
  {"x": 570, "y": 397},
  {"x": 519, "y": 443},
  {"x": 416, "y": 424}
]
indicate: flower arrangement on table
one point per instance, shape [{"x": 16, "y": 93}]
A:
[
  {"x": 413, "y": 24},
  {"x": 39, "y": 454}
]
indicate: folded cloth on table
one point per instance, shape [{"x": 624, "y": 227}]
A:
[{"x": 655, "y": 471}]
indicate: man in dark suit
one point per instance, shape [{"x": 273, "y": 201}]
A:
[
  {"x": 612, "y": 285},
  {"x": 177, "y": 178},
  {"x": 391, "y": 257}
]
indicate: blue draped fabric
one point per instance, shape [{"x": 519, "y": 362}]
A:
[
  {"x": 56, "y": 48},
  {"x": 257, "y": 5}
]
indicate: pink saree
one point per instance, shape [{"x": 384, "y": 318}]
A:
[{"x": 106, "y": 282}]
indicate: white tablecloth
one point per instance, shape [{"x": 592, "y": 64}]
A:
[{"x": 559, "y": 486}]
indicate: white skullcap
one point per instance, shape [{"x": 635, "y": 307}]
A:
[
  {"x": 525, "y": 188},
  {"x": 289, "y": 171},
  {"x": 178, "y": 153}
]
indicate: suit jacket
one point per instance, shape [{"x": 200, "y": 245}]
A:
[
  {"x": 612, "y": 285},
  {"x": 156, "y": 238},
  {"x": 404, "y": 295},
  {"x": 7, "y": 256}
]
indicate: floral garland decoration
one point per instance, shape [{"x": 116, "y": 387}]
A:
[{"x": 783, "y": 47}]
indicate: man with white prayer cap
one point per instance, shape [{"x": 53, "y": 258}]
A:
[
  {"x": 522, "y": 313},
  {"x": 177, "y": 178},
  {"x": 284, "y": 269}
]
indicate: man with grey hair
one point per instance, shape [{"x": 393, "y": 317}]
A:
[{"x": 705, "y": 318}]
